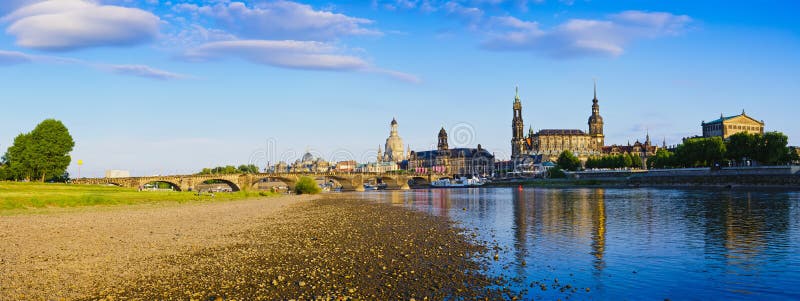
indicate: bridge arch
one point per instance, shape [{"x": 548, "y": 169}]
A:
[
  {"x": 173, "y": 184},
  {"x": 419, "y": 181},
  {"x": 288, "y": 180},
  {"x": 214, "y": 180}
]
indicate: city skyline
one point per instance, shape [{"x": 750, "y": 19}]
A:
[{"x": 190, "y": 82}]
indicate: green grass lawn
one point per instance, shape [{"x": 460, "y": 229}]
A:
[{"x": 21, "y": 197}]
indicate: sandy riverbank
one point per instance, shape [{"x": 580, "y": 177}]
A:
[{"x": 277, "y": 248}]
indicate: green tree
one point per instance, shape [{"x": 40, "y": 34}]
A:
[
  {"x": 41, "y": 154},
  {"x": 19, "y": 158},
  {"x": 568, "y": 161},
  {"x": 51, "y": 144},
  {"x": 772, "y": 148},
  {"x": 627, "y": 161},
  {"x": 662, "y": 159},
  {"x": 742, "y": 146},
  {"x": 306, "y": 185},
  {"x": 250, "y": 168},
  {"x": 700, "y": 152},
  {"x": 636, "y": 161}
]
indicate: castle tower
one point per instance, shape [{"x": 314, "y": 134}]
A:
[
  {"x": 380, "y": 155},
  {"x": 443, "y": 140},
  {"x": 596, "y": 124},
  {"x": 517, "y": 128}
]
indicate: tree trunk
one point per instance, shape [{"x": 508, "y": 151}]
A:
[{"x": 43, "y": 176}]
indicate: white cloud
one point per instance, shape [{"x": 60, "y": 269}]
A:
[
  {"x": 61, "y": 25},
  {"x": 307, "y": 55},
  {"x": 582, "y": 37},
  {"x": 280, "y": 20},
  {"x": 143, "y": 71}
]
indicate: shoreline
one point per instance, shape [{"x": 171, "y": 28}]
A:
[
  {"x": 692, "y": 182},
  {"x": 295, "y": 247}
]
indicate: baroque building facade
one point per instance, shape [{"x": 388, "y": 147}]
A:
[
  {"x": 726, "y": 126},
  {"x": 456, "y": 162},
  {"x": 550, "y": 143},
  {"x": 643, "y": 150}
]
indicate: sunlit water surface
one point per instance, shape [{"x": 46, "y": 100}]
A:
[{"x": 629, "y": 244}]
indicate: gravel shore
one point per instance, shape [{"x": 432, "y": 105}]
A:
[{"x": 274, "y": 249}]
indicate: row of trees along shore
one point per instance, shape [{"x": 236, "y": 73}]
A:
[
  {"x": 739, "y": 149},
  {"x": 41, "y": 155},
  {"x": 229, "y": 169}
]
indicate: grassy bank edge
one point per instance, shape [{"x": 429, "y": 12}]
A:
[{"x": 37, "y": 198}]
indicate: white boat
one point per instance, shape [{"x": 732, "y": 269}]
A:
[
  {"x": 370, "y": 187},
  {"x": 460, "y": 182}
]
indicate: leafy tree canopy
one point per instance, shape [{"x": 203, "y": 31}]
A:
[
  {"x": 41, "y": 154},
  {"x": 568, "y": 161}
]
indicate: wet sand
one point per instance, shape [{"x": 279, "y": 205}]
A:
[{"x": 272, "y": 249}]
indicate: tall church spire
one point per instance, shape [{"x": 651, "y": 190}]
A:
[
  {"x": 596, "y": 122},
  {"x": 517, "y": 127}
]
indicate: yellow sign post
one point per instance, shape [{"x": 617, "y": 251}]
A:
[{"x": 80, "y": 162}]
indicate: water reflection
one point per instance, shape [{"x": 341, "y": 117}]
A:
[{"x": 630, "y": 243}]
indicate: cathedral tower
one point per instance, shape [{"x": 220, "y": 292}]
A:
[
  {"x": 596, "y": 124},
  {"x": 517, "y": 128}
]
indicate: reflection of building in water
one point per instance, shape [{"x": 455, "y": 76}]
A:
[
  {"x": 570, "y": 217},
  {"x": 599, "y": 229},
  {"x": 521, "y": 226},
  {"x": 741, "y": 228}
]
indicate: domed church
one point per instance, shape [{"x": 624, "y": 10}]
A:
[{"x": 393, "y": 151}]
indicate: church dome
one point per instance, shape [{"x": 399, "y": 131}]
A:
[
  {"x": 595, "y": 119},
  {"x": 394, "y": 121},
  {"x": 308, "y": 157}
]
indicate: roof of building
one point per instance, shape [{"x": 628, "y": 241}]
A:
[
  {"x": 724, "y": 118},
  {"x": 561, "y": 132},
  {"x": 454, "y": 153}
]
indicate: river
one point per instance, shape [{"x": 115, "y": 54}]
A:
[{"x": 628, "y": 244}]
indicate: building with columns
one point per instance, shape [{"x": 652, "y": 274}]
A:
[
  {"x": 456, "y": 162},
  {"x": 550, "y": 143},
  {"x": 726, "y": 126}
]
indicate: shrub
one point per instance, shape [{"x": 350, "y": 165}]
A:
[
  {"x": 557, "y": 173},
  {"x": 306, "y": 185}
]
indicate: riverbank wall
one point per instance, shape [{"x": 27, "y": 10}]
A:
[{"x": 782, "y": 177}]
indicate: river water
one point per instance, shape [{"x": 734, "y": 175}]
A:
[{"x": 629, "y": 244}]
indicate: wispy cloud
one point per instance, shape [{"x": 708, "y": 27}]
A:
[
  {"x": 306, "y": 55},
  {"x": 16, "y": 57},
  {"x": 582, "y": 37},
  {"x": 62, "y": 25},
  {"x": 13, "y": 58},
  {"x": 143, "y": 71},
  {"x": 286, "y": 54}
]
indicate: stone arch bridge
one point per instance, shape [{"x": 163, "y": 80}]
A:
[{"x": 349, "y": 181}]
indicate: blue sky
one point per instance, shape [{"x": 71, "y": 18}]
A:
[{"x": 159, "y": 87}]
